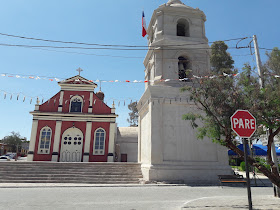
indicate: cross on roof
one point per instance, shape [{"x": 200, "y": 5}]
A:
[{"x": 79, "y": 70}]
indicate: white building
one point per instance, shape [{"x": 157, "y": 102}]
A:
[{"x": 167, "y": 145}]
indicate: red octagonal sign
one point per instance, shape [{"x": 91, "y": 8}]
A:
[{"x": 243, "y": 123}]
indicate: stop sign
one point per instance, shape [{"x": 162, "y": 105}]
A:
[{"x": 243, "y": 123}]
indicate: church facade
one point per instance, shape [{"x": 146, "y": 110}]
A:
[{"x": 75, "y": 125}]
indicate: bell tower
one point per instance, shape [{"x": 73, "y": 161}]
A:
[
  {"x": 168, "y": 147},
  {"x": 178, "y": 47}
]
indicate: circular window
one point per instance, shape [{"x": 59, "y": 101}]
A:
[
  {"x": 65, "y": 138},
  {"x": 69, "y": 142},
  {"x": 79, "y": 142},
  {"x": 75, "y": 142},
  {"x": 75, "y": 138},
  {"x": 80, "y": 138},
  {"x": 65, "y": 142},
  {"x": 69, "y": 138}
]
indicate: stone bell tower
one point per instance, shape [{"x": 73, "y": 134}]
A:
[{"x": 168, "y": 147}]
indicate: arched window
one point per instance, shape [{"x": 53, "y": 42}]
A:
[
  {"x": 76, "y": 104},
  {"x": 45, "y": 140},
  {"x": 184, "y": 70},
  {"x": 99, "y": 142},
  {"x": 183, "y": 28}
]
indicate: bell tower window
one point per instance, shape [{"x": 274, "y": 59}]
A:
[
  {"x": 184, "y": 68},
  {"x": 183, "y": 28},
  {"x": 76, "y": 104}
]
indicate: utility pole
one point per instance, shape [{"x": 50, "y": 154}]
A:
[
  {"x": 273, "y": 150},
  {"x": 258, "y": 60}
]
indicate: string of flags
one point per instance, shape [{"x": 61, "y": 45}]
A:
[
  {"x": 53, "y": 102},
  {"x": 115, "y": 81},
  {"x": 123, "y": 81}
]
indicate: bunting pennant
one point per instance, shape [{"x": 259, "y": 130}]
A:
[{"x": 120, "y": 81}]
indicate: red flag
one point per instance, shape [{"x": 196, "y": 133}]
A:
[{"x": 144, "y": 29}]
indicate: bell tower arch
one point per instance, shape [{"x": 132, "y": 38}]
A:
[
  {"x": 168, "y": 147},
  {"x": 176, "y": 30}
]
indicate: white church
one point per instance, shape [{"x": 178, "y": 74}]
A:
[{"x": 80, "y": 127}]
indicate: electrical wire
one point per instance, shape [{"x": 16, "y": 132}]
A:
[
  {"x": 80, "y": 53},
  {"x": 96, "y": 48},
  {"x": 104, "y": 45}
]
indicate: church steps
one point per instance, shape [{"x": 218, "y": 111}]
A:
[
  {"x": 52, "y": 172},
  {"x": 72, "y": 182},
  {"x": 70, "y": 178},
  {"x": 61, "y": 171},
  {"x": 45, "y": 163},
  {"x": 71, "y": 175}
]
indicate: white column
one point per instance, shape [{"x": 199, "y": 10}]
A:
[
  {"x": 32, "y": 140},
  {"x": 60, "y": 101},
  {"x": 87, "y": 142},
  {"x": 139, "y": 139},
  {"x": 56, "y": 141},
  {"x": 90, "y": 102},
  {"x": 111, "y": 146}
]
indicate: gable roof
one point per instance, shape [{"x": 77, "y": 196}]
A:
[
  {"x": 77, "y": 80},
  {"x": 77, "y": 83}
]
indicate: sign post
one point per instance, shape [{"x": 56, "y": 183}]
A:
[{"x": 243, "y": 123}]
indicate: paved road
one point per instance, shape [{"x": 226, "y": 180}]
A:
[{"x": 145, "y": 197}]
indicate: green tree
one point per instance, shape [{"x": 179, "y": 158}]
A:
[
  {"x": 14, "y": 141},
  {"x": 218, "y": 98},
  {"x": 273, "y": 63},
  {"x": 220, "y": 59},
  {"x": 133, "y": 115}
]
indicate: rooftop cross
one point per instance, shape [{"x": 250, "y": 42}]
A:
[{"x": 79, "y": 70}]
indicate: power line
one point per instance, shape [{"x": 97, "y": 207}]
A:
[
  {"x": 102, "y": 48},
  {"x": 81, "y": 53},
  {"x": 103, "y": 45},
  {"x": 262, "y": 48}
]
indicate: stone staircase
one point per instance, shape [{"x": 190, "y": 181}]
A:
[{"x": 57, "y": 172}]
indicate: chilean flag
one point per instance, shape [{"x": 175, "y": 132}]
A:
[{"x": 144, "y": 29}]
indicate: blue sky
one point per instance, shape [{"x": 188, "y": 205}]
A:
[{"x": 105, "y": 22}]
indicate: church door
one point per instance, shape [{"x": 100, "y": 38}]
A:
[{"x": 71, "y": 145}]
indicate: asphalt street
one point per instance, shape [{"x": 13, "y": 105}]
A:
[{"x": 118, "y": 197}]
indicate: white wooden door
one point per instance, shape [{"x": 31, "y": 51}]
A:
[{"x": 71, "y": 145}]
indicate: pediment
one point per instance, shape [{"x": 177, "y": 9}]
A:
[{"x": 77, "y": 80}]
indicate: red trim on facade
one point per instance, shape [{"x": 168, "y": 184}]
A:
[
  {"x": 67, "y": 97},
  {"x": 99, "y": 107},
  {"x": 41, "y": 124},
  {"x": 51, "y": 105},
  {"x": 106, "y": 127}
]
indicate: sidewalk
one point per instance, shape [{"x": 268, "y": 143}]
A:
[
  {"x": 259, "y": 180},
  {"x": 45, "y": 185},
  {"x": 233, "y": 202}
]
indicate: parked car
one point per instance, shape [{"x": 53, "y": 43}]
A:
[
  {"x": 5, "y": 158},
  {"x": 11, "y": 155}
]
